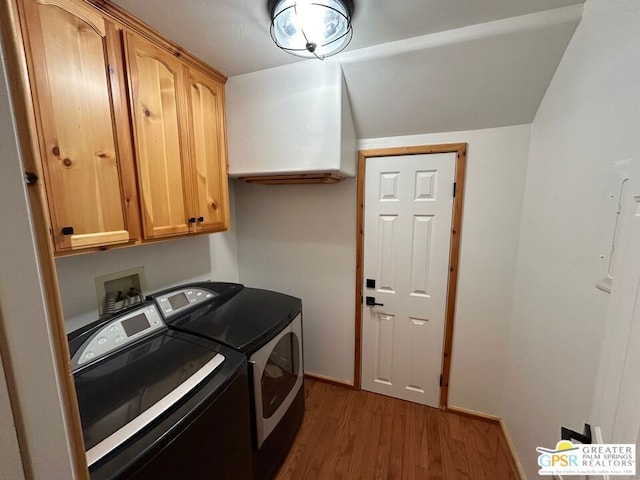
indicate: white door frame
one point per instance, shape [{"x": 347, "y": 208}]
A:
[{"x": 460, "y": 149}]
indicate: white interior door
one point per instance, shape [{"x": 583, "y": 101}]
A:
[{"x": 407, "y": 236}]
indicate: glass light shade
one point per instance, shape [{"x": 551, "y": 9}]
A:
[{"x": 311, "y": 28}]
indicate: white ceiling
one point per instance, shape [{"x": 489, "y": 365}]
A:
[
  {"x": 483, "y": 76},
  {"x": 483, "y": 69}
]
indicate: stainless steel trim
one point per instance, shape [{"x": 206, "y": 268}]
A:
[
  {"x": 123, "y": 434},
  {"x": 264, "y": 426}
]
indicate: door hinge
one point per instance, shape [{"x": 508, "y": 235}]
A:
[
  {"x": 454, "y": 189},
  {"x": 441, "y": 375}
]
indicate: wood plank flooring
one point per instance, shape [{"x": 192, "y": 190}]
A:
[{"x": 348, "y": 434}]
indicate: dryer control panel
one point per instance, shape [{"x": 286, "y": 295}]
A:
[
  {"x": 118, "y": 333},
  {"x": 177, "y": 301}
]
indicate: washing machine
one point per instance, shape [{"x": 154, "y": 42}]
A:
[
  {"x": 157, "y": 403},
  {"x": 266, "y": 327}
]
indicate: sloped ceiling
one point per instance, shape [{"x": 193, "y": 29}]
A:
[
  {"x": 483, "y": 76},
  {"x": 414, "y": 66}
]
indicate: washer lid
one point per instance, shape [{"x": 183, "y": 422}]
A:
[
  {"x": 245, "y": 322},
  {"x": 114, "y": 392}
]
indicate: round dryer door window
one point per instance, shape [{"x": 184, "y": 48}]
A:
[{"x": 280, "y": 374}]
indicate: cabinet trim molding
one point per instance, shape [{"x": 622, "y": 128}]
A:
[
  {"x": 95, "y": 20},
  {"x": 294, "y": 179},
  {"x": 20, "y": 92},
  {"x": 129, "y": 22}
]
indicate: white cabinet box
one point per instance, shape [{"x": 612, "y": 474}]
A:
[{"x": 291, "y": 124}]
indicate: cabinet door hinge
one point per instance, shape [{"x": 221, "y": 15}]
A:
[
  {"x": 111, "y": 70},
  {"x": 440, "y": 380},
  {"x": 454, "y": 189}
]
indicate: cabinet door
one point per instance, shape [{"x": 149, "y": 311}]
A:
[
  {"x": 208, "y": 151},
  {"x": 73, "y": 56},
  {"x": 157, "y": 103}
]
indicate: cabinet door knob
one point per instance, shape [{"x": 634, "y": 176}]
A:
[
  {"x": 67, "y": 230},
  {"x": 31, "y": 178},
  {"x": 201, "y": 219},
  {"x": 192, "y": 220}
]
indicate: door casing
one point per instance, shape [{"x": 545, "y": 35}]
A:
[{"x": 460, "y": 149}]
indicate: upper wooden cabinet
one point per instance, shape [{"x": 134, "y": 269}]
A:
[
  {"x": 208, "y": 151},
  {"x": 179, "y": 140},
  {"x": 76, "y": 71},
  {"x": 157, "y": 106},
  {"x": 130, "y": 128}
]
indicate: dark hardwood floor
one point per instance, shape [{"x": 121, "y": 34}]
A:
[{"x": 348, "y": 434}]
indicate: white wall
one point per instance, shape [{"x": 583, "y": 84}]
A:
[
  {"x": 615, "y": 407},
  {"x": 301, "y": 240},
  {"x": 168, "y": 263},
  {"x": 588, "y": 119},
  {"x": 496, "y": 165},
  {"x": 10, "y": 457},
  {"x": 27, "y": 348}
]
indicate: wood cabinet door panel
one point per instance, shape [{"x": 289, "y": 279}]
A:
[
  {"x": 156, "y": 83},
  {"x": 78, "y": 138},
  {"x": 208, "y": 151}
]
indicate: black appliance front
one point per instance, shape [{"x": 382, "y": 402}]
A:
[
  {"x": 205, "y": 433},
  {"x": 267, "y": 327}
]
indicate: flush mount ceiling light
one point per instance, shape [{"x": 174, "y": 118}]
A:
[{"x": 311, "y": 28}]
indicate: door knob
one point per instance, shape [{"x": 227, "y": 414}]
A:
[{"x": 371, "y": 301}]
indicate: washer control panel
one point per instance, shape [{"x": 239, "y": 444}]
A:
[
  {"x": 118, "y": 333},
  {"x": 177, "y": 301}
]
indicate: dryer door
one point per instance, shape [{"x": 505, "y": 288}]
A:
[{"x": 277, "y": 377}]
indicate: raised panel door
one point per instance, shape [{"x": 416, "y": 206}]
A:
[
  {"x": 157, "y": 86},
  {"x": 75, "y": 69},
  {"x": 407, "y": 237},
  {"x": 208, "y": 152}
]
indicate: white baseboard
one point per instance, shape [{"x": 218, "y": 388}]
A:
[
  {"x": 330, "y": 380},
  {"x": 505, "y": 432},
  {"x": 473, "y": 413}
]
